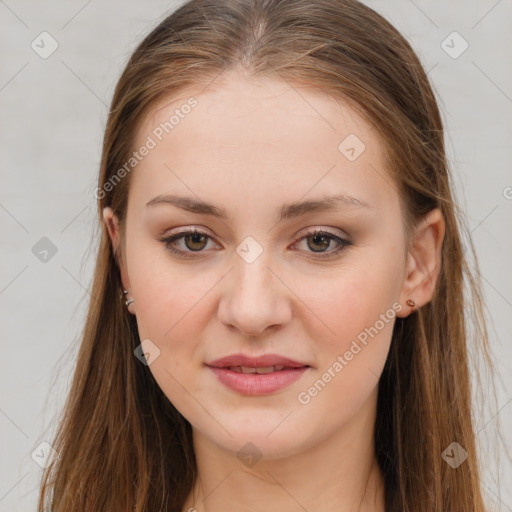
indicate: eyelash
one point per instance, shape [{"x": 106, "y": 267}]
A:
[{"x": 167, "y": 241}]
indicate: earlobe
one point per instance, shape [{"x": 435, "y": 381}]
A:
[{"x": 424, "y": 262}]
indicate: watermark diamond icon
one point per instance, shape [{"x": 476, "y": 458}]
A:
[
  {"x": 454, "y": 45},
  {"x": 351, "y": 147},
  {"x": 249, "y": 250},
  {"x": 44, "y": 45},
  {"x": 41, "y": 455},
  {"x": 44, "y": 250},
  {"x": 147, "y": 352},
  {"x": 454, "y": 455},
  {"x": 249, "y": 454}
]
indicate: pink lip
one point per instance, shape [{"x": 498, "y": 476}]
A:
[
  {"x": 257, "y": 384},
  {"x": 255, "y": 362},
  {"x": 254, "y": 384}
]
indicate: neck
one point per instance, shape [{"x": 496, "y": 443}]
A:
[{"x": 339, "y": 474}]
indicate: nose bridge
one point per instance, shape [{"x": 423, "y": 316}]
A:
[
  {"x": 253, "y": 277},
  {"x": 255, "y": 298},
  {"x": 254, "y": 284}
]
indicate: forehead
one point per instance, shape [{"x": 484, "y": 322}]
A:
[
  {"x": 267, "y": 109},
  {"x": 261, "y": 139}
]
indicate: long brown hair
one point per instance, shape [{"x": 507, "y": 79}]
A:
[{"x": 122, "y": 445}]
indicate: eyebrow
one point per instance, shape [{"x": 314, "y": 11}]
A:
[{"x": 288, "y": 211}]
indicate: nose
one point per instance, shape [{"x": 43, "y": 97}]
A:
[{"x": 255, "y": 298}]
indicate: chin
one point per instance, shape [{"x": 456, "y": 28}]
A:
[{"x": 259, "y": 439}]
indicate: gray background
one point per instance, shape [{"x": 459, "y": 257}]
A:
[{"x": 53, "y": 115}]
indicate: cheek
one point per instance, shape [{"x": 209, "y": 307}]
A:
[
  {"x": 167, "y": 294},
  {"x": 353, "y": 320},
  {"x": 350, "y": 300},
  {"x": 166, "y": 304},
  {"x": 171, "y": 313}
]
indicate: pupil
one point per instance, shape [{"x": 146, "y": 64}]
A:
[
  {"x": 322, "y": 237},
  {"x": 195, "y": 237}
]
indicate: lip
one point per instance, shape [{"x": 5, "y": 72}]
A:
[
  {"x": 255, "y": 362},
  {"x": 254, "y": 384},
  {"x": 257, "y": 384}
]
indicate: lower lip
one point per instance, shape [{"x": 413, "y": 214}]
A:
[{"x": 258, "y": 384}]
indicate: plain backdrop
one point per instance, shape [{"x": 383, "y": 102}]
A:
[{"x": 53, "y": 113}]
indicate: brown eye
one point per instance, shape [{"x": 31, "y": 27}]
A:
[
  {"x": 194, "y": 242},
  {"x": 319, "y": 241}
]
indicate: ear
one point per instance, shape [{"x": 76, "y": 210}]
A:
[
  {"x": 424, "y": 262},
  {"x": 112, "y": 224}
]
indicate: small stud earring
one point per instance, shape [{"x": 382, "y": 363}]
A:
[
  {"x": 128, "y": 301},
  {"x": 411, "y": 303}
]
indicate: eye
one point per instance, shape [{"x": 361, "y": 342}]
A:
[
  {"x": 320, "y": 240},
  {"x": 195, "y": 241}
]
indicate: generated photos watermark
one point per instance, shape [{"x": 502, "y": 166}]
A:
[
  {"x": 150, "y": 143},
  {"x": 305, "y": 397}
]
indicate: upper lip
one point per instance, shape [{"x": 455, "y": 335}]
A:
[{"x": 255, "y": 362}]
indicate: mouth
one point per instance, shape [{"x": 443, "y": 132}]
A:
[{"x": 257, "y": 375}]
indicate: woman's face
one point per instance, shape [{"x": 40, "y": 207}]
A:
[{"x": 259, "y": 281}]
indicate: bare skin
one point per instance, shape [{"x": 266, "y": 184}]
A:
[{"x": 250, "y": 147}]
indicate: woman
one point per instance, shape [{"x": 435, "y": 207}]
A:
[{"x": 278, "y": 318}]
